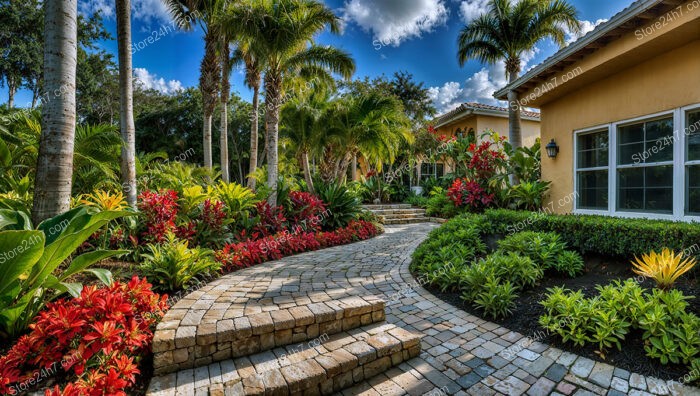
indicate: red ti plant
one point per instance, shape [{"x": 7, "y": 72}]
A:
[{"x": 160, "y": 211}]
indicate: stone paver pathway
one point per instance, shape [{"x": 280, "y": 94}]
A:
[{"x": 461, "y": 354}]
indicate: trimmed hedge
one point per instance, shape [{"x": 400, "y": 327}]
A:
[{"x": 612, "y": 236}]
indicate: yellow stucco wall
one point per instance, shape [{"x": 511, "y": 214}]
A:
[{"x": 664, "y": 82}]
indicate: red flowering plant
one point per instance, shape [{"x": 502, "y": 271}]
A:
[
  {"x": 245, "y": 254},
  {"x": 467, "y": 193},
  {"x": 305, "y": 211},
  {"x": 95, "y": 340},
  {"x": 160, "y": 211},
  {"x": 272, "y": 219}
]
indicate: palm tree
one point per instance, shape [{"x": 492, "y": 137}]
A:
[
  {"x": 226, "y": 65},
  {"x": 281, "y": 35},
  {"x": 509, "y": 29},
  {"x": 54, "y": 172},
  {"x": 372, "y": 125},
  {"x": 185, "y": 13},
  {"x": 126, "y": 102},
  {"x": 302, "y": 127},
  {"x": 253, "y": 75}
]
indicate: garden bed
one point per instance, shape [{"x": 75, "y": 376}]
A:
[
  {"x": 537, "y": 283},
  {"x": 599, "y": 271}
]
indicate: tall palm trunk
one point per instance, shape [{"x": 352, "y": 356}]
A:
[
  {"x": 354, "y": 167},
  {"x": 514, "y": 132},
  {"x": 11, "y": 91},
  {"x": 254, "y": 134},
  {"x": 307, "y": 171},
  {"x": 126, "y": 102},
  {"x": 209, "y": 85},
  {"x": 273, "y": 98},
  {"x": 225, "y": 89},
  {"x": 54, "y": 169}
]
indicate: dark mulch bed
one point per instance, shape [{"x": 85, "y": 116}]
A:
[{"x": 599, "y": 271}]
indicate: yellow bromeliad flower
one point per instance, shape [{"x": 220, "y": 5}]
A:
[
  {"x": 665, "y": 267},
  {"x": 105, "y": 201}
]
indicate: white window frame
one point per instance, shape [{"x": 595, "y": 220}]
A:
[
  {"x": 684, "y": 157},
  {"x": 679, "y": 166},
  {"x": 599, "y": 128}
]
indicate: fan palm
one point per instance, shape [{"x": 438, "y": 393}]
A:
[
  {"x": 281, "y": 35},
  {"x": 509, "y": 29},
  {"x": 372, "y": 125}
]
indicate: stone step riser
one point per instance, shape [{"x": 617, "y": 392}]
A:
[
  {"x": 385, "y": 207},
  {"x": 407, "y": 221},
  {"x": 323, "y": 368},
  {"x": 385, "y": 212},
  {"x": 403, "y": 216},
  {"x": 195, "y": 346}
]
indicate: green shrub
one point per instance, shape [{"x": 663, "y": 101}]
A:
[
  {"x": 172, "y": 265},
  {"x": 569, "y": 263},
  {"x": 544, "y": 248},
  {"x": 521, "y": 271},
  {"x": 496, "y": 299},
  {"x": 417, "y": 200},
  {"x": 671, "y": 334},
  {"x": 342, "y": 205},
  {"x": 440, "y": 205},
  {"x": 603, "y": 234},
  {"x": 474, "y": 279}
]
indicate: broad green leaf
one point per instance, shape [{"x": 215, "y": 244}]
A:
[
  {"x": 14, "y": 220},
  {"x": 58, "y": 251},
  {"x": 103, "y": 275},
  {"x": 19, "y": 252},
  {"x": 56, "y": 226},
  {"x": 83, "y": 261},
  {"x": 5, "y": 156},
  {"x": 73, "y": 289}
]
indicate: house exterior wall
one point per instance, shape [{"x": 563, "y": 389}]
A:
[
  {"x": 530, "y": 130},
  {"x": 665, "y": 82}
]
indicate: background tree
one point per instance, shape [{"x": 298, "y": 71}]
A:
[
  {"x": 280, "y": 32},
  {"x": 126, "y": 102},
  {"x": 414, "y": 97},
  {"x": 54, "y": 174},
  {"x": 509, "y": 29}
]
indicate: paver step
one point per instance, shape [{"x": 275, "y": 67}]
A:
[
  {"x": 397, "y": 211},
  {"x": 410, "y": 220},
  {"x": 402, "y": 216},
  {"x": 387, "y": 206},
  {"x": 194, "y": 342},
  {"x": 323, "y": 366}
]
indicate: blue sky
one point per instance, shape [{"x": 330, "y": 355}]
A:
[{"x": 383, "y": 36}]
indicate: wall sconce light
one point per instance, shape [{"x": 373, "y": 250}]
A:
[{"x": 552, "y": 149}]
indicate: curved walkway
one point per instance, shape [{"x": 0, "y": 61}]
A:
[{"x": 462, "y": 354}]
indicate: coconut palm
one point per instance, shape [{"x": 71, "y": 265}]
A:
[
  {"x": 54, "y": 172},
  {"x": 371, "y": 125},
  {"x": 126, "y": 102},
  {"x": 186, "y": 13},
  {"x": 509, "y": 29},
  {"x": 226, "y": 66},
  {"x": 253, "y": 75},
  {"x": 281, "y": 35}
]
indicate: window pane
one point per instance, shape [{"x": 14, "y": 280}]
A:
[
  {"x": 646, "y": 189},
  {"x": 693, "y": 196},
  {"x": 693, "y": 136},
  {"x": 593, "y": 190},
  {"x": 659, "y": 140},
  {"x": 593, "y": 150},
  {"x": 648, "y": 142}
]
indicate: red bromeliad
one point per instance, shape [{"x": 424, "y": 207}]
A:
[{"x": 96, "y": 337}]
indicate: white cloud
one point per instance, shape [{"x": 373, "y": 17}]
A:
[
  {"x": 586, "y": 27},
  {"x": 471, "y": 9},
  {"x": 152, "y": 81},
  {"x": 148, "y": 11},
  {"x": 480, "y": 87},
  {"x": 394, "y": 21}
]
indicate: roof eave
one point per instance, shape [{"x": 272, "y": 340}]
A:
[{"x": 619, "y": 20}]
